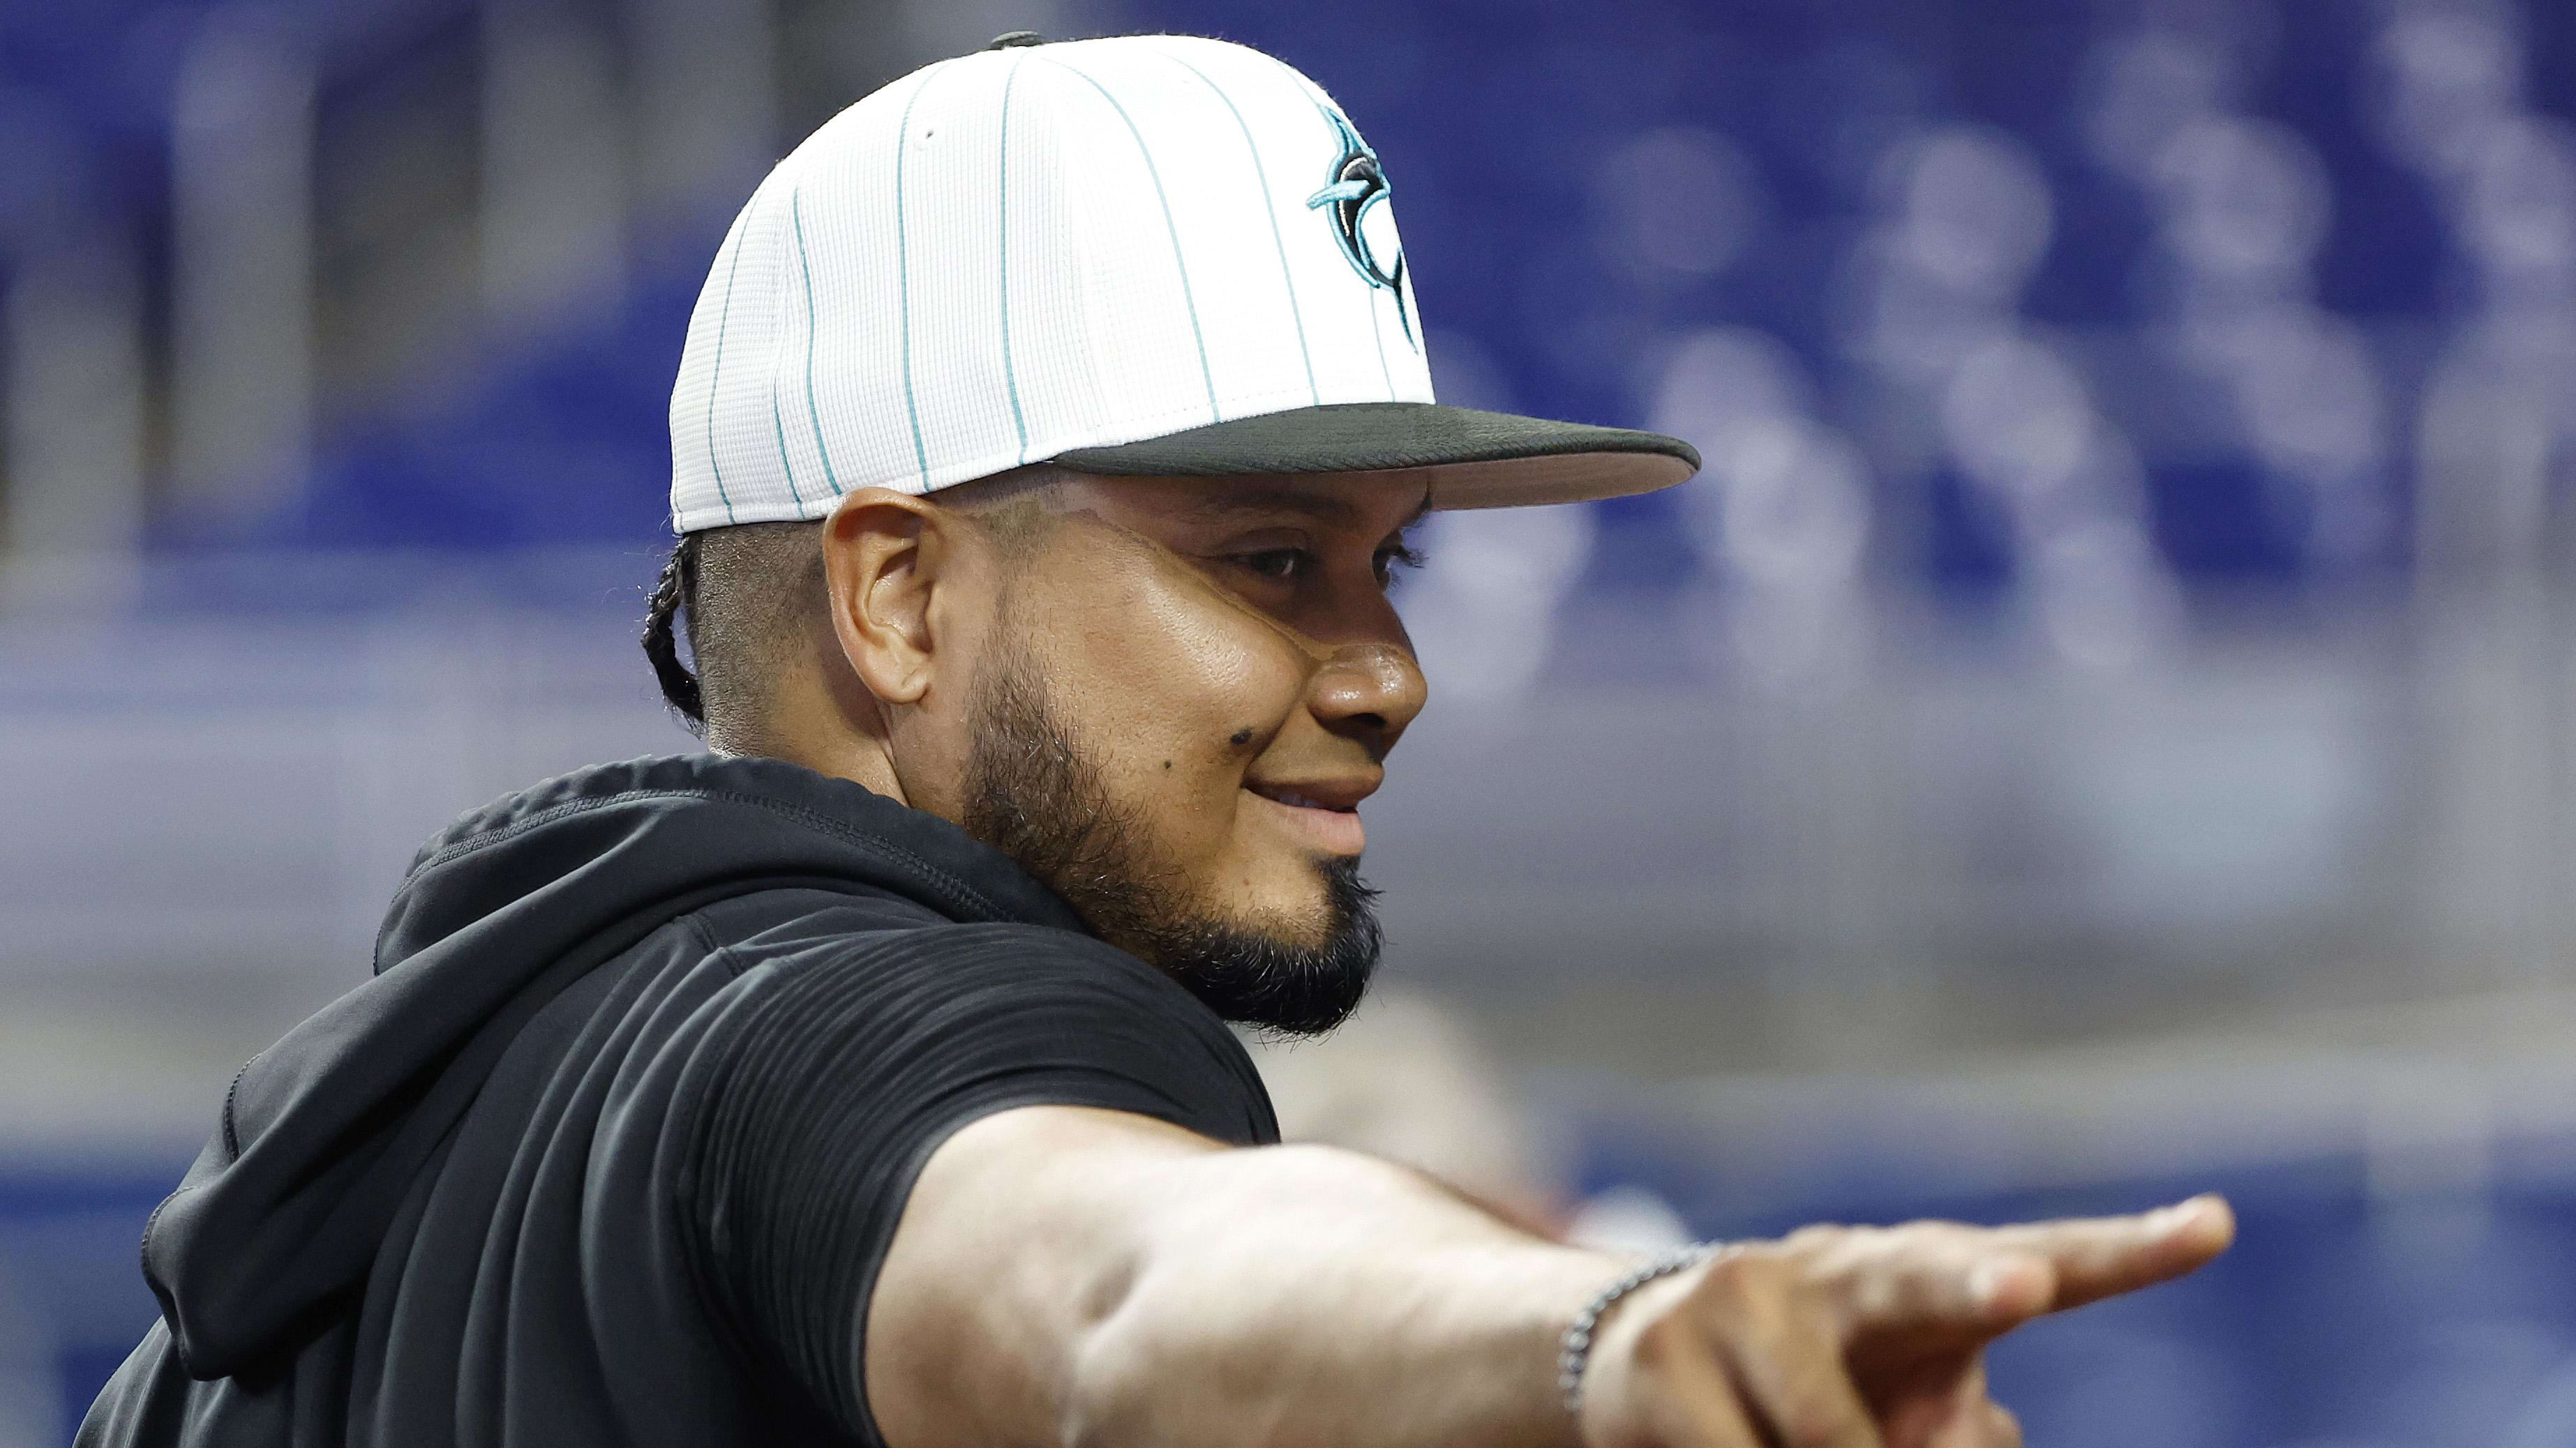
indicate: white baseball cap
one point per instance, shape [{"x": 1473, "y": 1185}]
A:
[{"x": 1144, "y": 255}]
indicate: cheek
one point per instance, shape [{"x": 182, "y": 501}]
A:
[{"x": 1173, "y": 673}]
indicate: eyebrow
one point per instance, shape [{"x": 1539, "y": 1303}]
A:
[{"x": 1239, "y": 501}]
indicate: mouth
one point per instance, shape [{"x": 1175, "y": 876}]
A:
[{"x": 1325, "y": 815}]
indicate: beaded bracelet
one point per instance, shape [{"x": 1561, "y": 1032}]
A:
[{"x": 1576, "y": 1349}]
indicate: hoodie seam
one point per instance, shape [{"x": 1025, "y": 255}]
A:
[
  {"x": 232, "y": 1093},
  {"x": 824, "y": 824},
  {"x": 232, "y": 1153},
  {"x": 718, "y": 952},
  {"x": 143, "y": 1247},
  {"x": 696, "y": 921}
]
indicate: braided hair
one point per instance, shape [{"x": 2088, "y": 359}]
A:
[{"x": 676, "y": 592}]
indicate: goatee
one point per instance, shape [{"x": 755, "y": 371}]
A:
[{"x": 1033, "y": 795}]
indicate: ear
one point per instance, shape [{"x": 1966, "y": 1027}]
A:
[{"x": 884, "y": 556}]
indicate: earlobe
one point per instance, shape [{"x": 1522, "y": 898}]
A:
[{"x": 879, "y": 564}]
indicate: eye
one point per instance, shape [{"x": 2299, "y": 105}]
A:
[
  {"x": 1275, "y": 563},
  {"x": 1392, "y": 557}
]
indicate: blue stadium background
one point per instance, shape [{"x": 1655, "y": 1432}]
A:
[{"x": 1596, "y": 199}]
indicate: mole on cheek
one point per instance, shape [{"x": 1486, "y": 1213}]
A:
[
  {"x": 1167, "y": 764},
  {"x": 1240, "y": 738}
]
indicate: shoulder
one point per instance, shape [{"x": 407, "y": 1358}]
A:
[
  {"x": 988, "y": 951},
  {"x": 963, "y": 1008},
  {"x": 810, "y": 936}
]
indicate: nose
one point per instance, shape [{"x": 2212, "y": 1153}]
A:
[{"x": 1369, "y": 691}]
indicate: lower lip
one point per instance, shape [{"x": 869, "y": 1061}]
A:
[{"x": 1334, "y": 831}]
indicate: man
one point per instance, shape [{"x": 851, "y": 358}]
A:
[{"x": 1046, "y": 436}]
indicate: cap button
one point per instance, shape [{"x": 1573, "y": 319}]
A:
[{"x": 1010, "y": 38}]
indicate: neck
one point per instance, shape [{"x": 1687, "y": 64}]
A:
[
  {"x": 819, "y": 715},
  {"x": 862, "y": 761}
]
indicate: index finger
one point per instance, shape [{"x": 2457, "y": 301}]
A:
[{"x": 2098, "y": 1257}]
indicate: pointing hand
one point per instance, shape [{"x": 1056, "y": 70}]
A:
[{"x": 1863, "y": 1337}]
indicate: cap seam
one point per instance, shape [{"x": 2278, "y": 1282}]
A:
[
  {"x": 903, "y": 292},
  {"x": 715, "y": 375},
  {"x": 1269, "y": 210},
  {"x": 1002, "y": 247},
  {"x": 813, "y": 328},
  {"x": 1089, "y": 372},
  {"x": 1171, "y": 228},
  {"x": 1377, "y": 335},
  {"x": 778, "y": 344}
]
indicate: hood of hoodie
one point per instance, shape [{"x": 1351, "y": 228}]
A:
[{"x": 324, "y": 1133}]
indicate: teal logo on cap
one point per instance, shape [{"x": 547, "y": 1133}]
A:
[{"x": 1358, "y": 184}]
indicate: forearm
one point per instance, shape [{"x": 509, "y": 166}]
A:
[
  {"x": 1190, "y": 1296},
  {"x": 1305, "y": 1295}
]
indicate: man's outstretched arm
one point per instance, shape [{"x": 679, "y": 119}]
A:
[{"x": 1069, "y": 1275}]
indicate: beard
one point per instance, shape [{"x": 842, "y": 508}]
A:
[{"x": 1034, "y": 795}]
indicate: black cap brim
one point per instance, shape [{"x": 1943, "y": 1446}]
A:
[{"x": 1477, "y": 459}]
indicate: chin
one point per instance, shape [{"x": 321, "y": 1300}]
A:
[
  {"x": 1299, "y": 968},
  {"x": 1296, "y": 909}
]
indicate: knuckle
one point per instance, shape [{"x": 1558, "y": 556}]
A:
[
  {"x": 1927, "y": 1243},
  {"x": 1873, "y": 1294},
  {"x": 1834, "y": 1254},
  {"x": 1744, "y": 1276},
  {"x": 1820, "y": 1237},
  {"x": 1668, "y": 1339}
]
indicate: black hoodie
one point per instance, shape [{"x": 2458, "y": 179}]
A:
[{"x": 610, "y": 1147}]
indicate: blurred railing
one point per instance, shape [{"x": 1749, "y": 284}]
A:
[{"x": 1633, "y": 857}]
